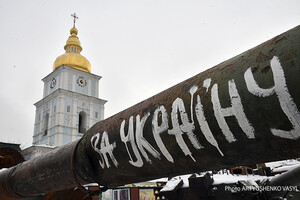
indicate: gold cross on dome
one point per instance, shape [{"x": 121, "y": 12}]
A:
[{"x": 75, "y": 17}]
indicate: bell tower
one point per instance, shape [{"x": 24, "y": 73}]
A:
[{"x": 70, "y": 103}]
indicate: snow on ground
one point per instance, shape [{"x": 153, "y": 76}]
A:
[
  {"x": 227, "y": 178},
  {"x": 285, "y": 168},
  {"x": 3, "y": 169},
  {"x": 230, "y": 179},
  {"x": 218, "y": 179},
  {"x": 282, "y": 163},
  {"x": 171, "y": 185}
]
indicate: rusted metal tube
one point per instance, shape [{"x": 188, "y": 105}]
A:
[
  {"x": 282, "y": 184},
  {"x": 289, "y": 178},
  {"x": 243, "y": 111},
  {"x": 53, "y": 171}
]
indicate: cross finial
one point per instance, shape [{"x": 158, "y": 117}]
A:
[{"x": 75, "y": 17}]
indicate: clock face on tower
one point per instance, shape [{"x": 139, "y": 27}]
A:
[
  {"x": 81, "y": 81},
  {"x": 52, "y": 83}
]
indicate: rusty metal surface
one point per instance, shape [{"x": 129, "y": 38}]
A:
[
  {"x": 9, "y": 157},
  {"x": 240, "y": 112},
  {"x": 68, "y": 194},
  {"x": 290, "y": 179},
  {"x": 52, "y": 171}
]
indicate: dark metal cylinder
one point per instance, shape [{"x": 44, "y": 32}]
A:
[
  {"x": 285, "y": 183},
  {"x": 52, "y": 171},
  {"x": 241, "y": 112},
  {"x": 289, "y": 178}
]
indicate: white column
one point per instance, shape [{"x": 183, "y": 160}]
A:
[
  {"x": 102, "y": 111},
  {"x": 64, "y": 79},
  {"x": 75, "y": 115},
  {"x": 92, "y": 115},
  {"x": 46, "y": 85},
  {"x": 74, "y": 83},
  {"x": 97, "y": 88},
  {"x": 50, "y": 124},
  {"x": 41, "y": 124},
  {"x": 61, "y": 113}
]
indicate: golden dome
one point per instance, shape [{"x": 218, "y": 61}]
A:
[{"x": 72, "y": 57}]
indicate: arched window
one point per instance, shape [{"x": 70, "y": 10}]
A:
[
  {"x": 46, "y": 121},
  {"x": 82, "y": 122}
]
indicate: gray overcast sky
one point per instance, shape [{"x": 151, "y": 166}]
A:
[{"x": 139, "y": 47}]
